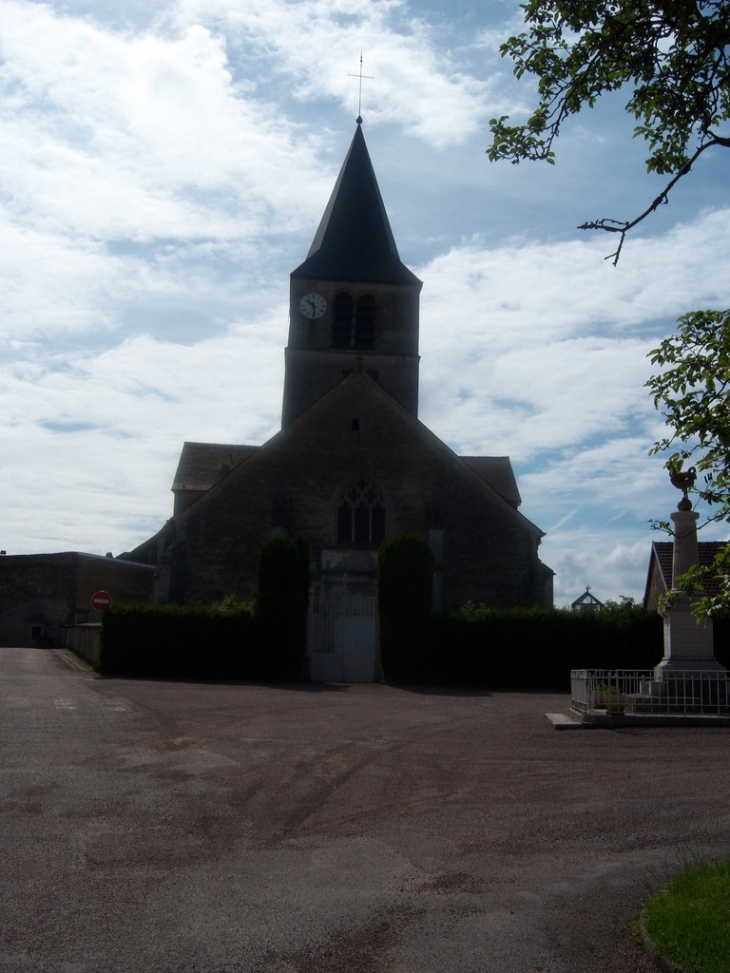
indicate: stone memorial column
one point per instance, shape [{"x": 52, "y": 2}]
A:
[{"x": 688, "y": 644}]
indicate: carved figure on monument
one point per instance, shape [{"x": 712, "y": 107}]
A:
[{"x": 684, "y": 481}]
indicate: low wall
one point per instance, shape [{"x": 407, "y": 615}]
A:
[{"x": 84, "y": 641}]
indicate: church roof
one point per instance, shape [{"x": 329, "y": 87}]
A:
[
  {"x": 354, "y": 241},
  {"x": 203, "y": 464},
  {"x": 662, "y": 557},
  {"x": 498, "y": 473},
  {"x": 586, "y": 601}
]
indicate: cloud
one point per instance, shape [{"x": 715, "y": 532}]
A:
[
  {"x": 162, "y": 177},
  {"x": 114, "y": 134},
  {"x": 90, "y": 447},
  {"x": 557, "y": 339},
  {"x": 570, "y": 408},
  {"x": 138, "y": 163},
  {"x": 315, "y": 44},
  {"x": 539, "y": 350},
  {"x": 612, "y": 570}
]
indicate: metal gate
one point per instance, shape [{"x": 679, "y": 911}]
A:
[{"x": 342, "y": 639}]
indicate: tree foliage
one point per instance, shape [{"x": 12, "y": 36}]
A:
[
  {"x": 692, "y": 390},
  {"x": 673, "y": 55}
]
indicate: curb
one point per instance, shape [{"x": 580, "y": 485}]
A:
[
  {"x": 664, "y": 964},
  {"x": 73, "y": 661}
]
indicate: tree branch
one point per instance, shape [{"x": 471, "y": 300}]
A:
[{"x": 622, "y": 227}]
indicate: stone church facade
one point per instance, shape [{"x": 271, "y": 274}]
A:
[{"x": 352, "y": 464}]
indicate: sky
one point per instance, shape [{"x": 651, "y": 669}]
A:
[{"x": 165, "y": 165}]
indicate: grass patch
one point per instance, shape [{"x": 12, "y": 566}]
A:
[{"x": 689, "y": 921}]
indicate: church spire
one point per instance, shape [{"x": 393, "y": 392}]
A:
[
  {"x": 354, "y": 241},
  {"x": 353, "y": 305}
]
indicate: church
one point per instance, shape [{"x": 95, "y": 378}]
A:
[{"x": 352, "y": 465}]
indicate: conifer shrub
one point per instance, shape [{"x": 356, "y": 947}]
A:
[
  {"x": 405, "y": 594},
  {"x": 281, "y": 601}
]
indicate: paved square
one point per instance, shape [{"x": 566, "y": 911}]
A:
[{"x": 148, "y": 826}]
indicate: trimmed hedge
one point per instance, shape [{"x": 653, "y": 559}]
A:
[
  {"x": 502, "y": 649},
  {"x": 527, "y": 648},
  {"x": 231, "y": 640},
  {"x": 487, "y": 648},
  {"x": 536, "y": 648},
  {"x": 180, "y": 641}
]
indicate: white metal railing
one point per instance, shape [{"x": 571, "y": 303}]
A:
[{"x": 689, "y": 692}]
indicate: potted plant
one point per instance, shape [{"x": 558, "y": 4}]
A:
[{"x": 609, "y": 698}]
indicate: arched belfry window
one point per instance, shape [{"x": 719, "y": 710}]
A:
[
  {"x": 365, "y": 323},
  {"x": 342, "y": 321},
  {"x": 361, "y": 515},
  {"x": 353, "y": 327}
]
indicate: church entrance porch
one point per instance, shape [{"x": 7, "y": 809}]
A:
[{"x": 342, "y": 638}]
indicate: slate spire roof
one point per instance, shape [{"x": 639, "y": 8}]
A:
[{"x": 354, "y": 241}]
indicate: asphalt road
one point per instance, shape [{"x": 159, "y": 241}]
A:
[{"x": 150, "y": 826}]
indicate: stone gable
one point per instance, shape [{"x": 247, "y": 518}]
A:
[{"x": 488, "y": 550}]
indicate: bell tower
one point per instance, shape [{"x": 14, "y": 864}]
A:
[{"x": 352, "y": 301}]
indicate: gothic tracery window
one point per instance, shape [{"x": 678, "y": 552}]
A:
[{"x": 361, "y": 515}]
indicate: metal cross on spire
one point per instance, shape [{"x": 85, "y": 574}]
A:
[{"x": 359, "y": 93}]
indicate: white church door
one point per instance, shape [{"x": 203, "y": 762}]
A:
[{"x": 342, "y": 643}]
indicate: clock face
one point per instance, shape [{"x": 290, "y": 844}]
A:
[{"x": 313, "y": 305}]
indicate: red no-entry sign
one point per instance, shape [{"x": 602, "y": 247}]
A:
[{"x": 101, "y": 600}]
